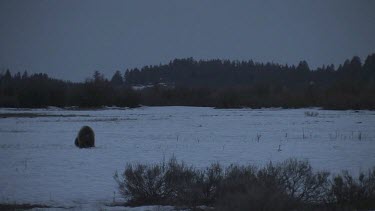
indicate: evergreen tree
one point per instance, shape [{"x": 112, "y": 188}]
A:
[
  {"x": 25, "y": 75},
  {"x": 117, "y": 79},
  {"x": 7, "y": 76},
  {"x": 346, "y": 66},
  {"x": 98, "y": 77},
  {"x": 355, "y": 64},
  {"x": 303, "y": 66},
  {"x": 17, "y": 76},
  {"x": 369, "y": 65}
]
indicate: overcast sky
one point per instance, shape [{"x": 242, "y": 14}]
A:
[{"x": 69, "y": 39}]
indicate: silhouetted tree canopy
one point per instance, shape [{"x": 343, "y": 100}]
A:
[{"x": 216, "y": 83}]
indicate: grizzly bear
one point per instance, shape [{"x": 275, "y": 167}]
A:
[{"x": 85, "y": 138}]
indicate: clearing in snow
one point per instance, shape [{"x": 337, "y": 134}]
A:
[{"x": 40, "y": 164}]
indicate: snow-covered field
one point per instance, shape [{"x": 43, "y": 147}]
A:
[{"x": 40, "y": 164}]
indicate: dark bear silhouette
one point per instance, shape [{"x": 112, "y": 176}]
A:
[{"x": 85, "y": 138}]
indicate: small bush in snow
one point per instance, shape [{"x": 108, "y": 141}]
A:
[{"x": 311, "y": 113}]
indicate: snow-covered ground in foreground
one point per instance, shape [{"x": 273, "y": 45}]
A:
[{"x": 40, "y": 164}]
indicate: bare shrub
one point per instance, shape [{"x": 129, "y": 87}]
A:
[
  {"x": 311, "y": 113},
  {"x": 355, "y": 193},
  {"x": 180, "y": 183},
  {"x": 246, "y": 188},
  {"x": 142, "y": 184},
  {"x": 170, "y": 183},
  {"x": 290, "y": 185},
  {"x": 236, "y": 180},
  {"x": 212, "y": 178},
  {"x": 301, "y": 183}
]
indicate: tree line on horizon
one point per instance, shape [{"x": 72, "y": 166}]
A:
[{"x": 214, "y": 83}]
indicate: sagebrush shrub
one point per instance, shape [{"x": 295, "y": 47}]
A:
[
  {"x": 301, "y": 183},
  {"x": 290, "y": 185},
  {"x": 142, "y": 184},
  {"x": 346, "y": 191}
]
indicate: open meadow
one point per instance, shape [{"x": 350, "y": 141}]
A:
[{"x": 40, "y": 164}]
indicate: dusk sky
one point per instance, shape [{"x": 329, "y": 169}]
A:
[{"x": 69, "y": 39}]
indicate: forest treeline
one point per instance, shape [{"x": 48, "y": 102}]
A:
[{"x": 214, "y": 83}]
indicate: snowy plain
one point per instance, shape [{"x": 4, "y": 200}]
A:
[{"x": 39, "y": 163}]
